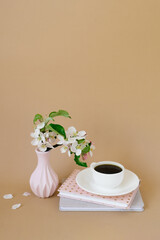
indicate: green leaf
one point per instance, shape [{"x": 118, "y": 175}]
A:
[
  {"x": 78, "y": 162},
  {"x": 37, "y": 117},
  {"x": 57, "y": 128},
  {"x": 64, "y": 113},
  {"x": 53, "y": 114},
  {"x": 60, "y": 113},
  {"x": 42, "y": 130},
  {"x": 80, "y": 141},
  {"x": 49, "y": 128},
  {"x": 48, "y": 119},
  {"x": 86, "y": 149}
]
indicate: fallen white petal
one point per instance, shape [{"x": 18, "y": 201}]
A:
[
  {"x": 8, "y": 196},
  {"x": 15, "y": 206},
  {"x": 26, "y": 194}
]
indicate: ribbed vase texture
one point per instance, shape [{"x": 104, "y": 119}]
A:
[{"x": 43, "y": 180}]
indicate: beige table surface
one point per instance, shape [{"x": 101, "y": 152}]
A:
[{"x": 41, "y": 219}]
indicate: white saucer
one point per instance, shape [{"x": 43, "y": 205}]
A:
[{"x": 85, "y": 181}]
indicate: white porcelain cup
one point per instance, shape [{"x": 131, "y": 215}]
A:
[{"x": 104, "y": 179}]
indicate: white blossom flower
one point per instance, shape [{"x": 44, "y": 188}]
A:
[
  {"x": 43, "y": 140},
  {"x": 48, "y": 144},
  {"x": 76, "y": 148},
  {"x": 81, "y": 135},
  {"x": 71, "y": 144},
  {"x": 71, "y": 132},
  {"x": 35, "y": 142},
  {"x": 73, "y": 135},
  {"x": 78, "y": 152},
  {"x": 41, "y": 125},
  {"x": 38, "y": 138},
  {"x": 36, "y": 133},
  {"x": 44, "y": 145},
  {"x": 92, "y": 147},
  {"x": 50, "y": 137},
  {"x": 46, "y": 134},
  {"x": 62, "y": 140},
  {"x": 63, "y": 149},
  {"x": 69, "y": 153},
  {"x": 73, "y": 147}
]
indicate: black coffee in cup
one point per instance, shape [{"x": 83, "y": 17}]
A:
[{"x": 108, "y": 169}]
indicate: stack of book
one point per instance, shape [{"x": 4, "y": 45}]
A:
[{"x": 73, "y": 198}]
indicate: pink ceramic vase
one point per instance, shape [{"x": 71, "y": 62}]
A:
[{"x": 43, "y": 180}]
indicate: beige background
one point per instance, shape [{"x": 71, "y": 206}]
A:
[{"x": 100, "y": 61}]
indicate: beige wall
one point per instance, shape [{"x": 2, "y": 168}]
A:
[{"x": 97, "y": 59}]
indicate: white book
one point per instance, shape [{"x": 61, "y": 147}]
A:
[{"x": 66, "y": 204}]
